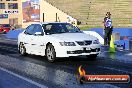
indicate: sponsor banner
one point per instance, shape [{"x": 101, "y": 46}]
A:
[
  {"x": 107, "y": 78},
  {"x": 83, "y": 78},
  {"x": 31, "y": 11},
  {"x": 10, "y": 11}
]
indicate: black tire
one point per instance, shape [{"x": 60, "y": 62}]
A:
[
  {"x": 50, "y": 53},
  {"x": 22, "y": 49},
  {"x": 4, "y": 31},
  {"x": 92, "y": 56}
]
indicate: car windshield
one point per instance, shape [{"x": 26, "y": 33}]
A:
[{"x": 55, "y": 28}]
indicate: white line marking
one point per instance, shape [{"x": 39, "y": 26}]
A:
[
  {"x": 115, "y": 69},
  {"x": 119, "y": 60},
  {"x": 21, "y": 77},
  {"x": 129, "y": 54},
  {"x": 11, "y": 40}
]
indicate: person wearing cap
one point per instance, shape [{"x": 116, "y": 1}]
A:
[{"x": 107, "y": 28}]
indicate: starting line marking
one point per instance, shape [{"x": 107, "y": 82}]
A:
[{"x": 23, "y": 78}]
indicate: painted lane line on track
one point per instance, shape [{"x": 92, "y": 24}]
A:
[
  {"x": 9, "y": 39},
  {"x": 118, "y": 60},
  {"x": 13, "y": 40},
  {"x": 9, "y": 49},
  {"x": 116, "y": 69},
  {"x": 23, "y": 78}
]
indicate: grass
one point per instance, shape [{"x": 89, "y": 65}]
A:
[{"x": 86, "y": 27}]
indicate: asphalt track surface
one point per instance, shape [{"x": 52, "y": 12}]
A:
[
  {"x": 9, "y": 79},
  {"x": 62, "y": 73}
]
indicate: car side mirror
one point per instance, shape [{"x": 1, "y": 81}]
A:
[{"x": 38, "y": 33}]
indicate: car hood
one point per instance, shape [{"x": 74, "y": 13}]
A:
[{"x": 73, "y": 37}]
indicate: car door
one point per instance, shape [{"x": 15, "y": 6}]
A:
[
  {"x": 28, "y": 34},
  {"x": 38, "y": 44}
]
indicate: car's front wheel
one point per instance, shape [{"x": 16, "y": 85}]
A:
[
  {"x": 50, "y": 53},
  {"x": 22, "y": 49}
]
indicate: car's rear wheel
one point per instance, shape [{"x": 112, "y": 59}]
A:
[
  {"x": 50, "y": 53},
  {"x": 22, "y": 49},
  {"x": 4, "y": 32},
  {"x": 92, "y": 56}
]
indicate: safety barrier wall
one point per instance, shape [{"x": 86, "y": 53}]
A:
[{"x": 125, "y": 35}]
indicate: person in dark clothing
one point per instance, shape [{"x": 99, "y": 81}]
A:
[{"x": 107, "y": 28}]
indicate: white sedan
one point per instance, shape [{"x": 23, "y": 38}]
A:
[{"x": 57, "y": 39}]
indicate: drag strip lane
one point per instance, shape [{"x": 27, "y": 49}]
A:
[
  {"x": 15, "y": 80},
  {"x": 52, "y": 77},
  {"x": 62, "y": 72},
  {"x": 11, "y": 50}
]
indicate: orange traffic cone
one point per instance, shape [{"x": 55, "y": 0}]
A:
[{"x": 112, "y": 46}]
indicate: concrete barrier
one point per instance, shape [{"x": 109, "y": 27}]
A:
[{"x": 13, "y": 34}]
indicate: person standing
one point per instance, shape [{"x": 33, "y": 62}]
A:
[{"x": 107, "y": 28}]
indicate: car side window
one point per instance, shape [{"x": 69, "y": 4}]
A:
[
  {"x": 47, "y": 28},
  {"x": 38, "y": 28},
  {"x": 29, "y": 29}
]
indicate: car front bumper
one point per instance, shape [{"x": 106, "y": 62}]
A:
[{"x": 67, "y": 51}]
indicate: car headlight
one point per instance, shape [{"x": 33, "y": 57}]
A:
[
  {"x": 96, "y": 41},
  {"x": 67, "y": 44}
]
